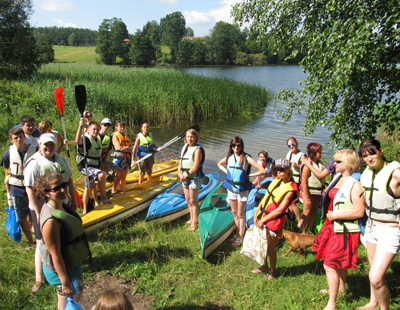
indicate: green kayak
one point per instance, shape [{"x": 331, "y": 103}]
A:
[{"x": 216, "y": 221}]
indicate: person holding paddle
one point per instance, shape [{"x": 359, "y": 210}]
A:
[{"x": 238, "y": 165}]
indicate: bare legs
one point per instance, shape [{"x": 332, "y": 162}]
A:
[
  {"x": 62, "y": 300},
  {"x": 309, "y": 213},
  {"x": 239, "y": 214},
  {"x": 336, "y": 281},
  {"x": 271, "y": 253},
  {"x": 117, "y": 180},
  {"x": 27, "y": 231},
  {"x": 191, "y": 196}
]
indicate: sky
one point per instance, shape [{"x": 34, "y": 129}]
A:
[{"x": 200, "y": 15}]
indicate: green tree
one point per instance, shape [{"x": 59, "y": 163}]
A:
[
  {"x": 142, "y": 50},
  {"x": 153, "y": 31},
  {"x": 185, "y": 52},
  {"x": 199, "y": 53},
  {"x": 19, "y": 55},
  {"x": 173, "y": 28},
  {"x": 352, "y": 50},
  {"x": 46, "y": 49},
  {"x": 72, "y": 40},
  {"x": 189, "y": 32},
  {"x": 223, "y": 43},
  {"x": 110, "y": 41}
]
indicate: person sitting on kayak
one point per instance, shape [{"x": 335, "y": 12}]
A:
[
  {"x": 121, "y": 152},
  {"x": 143, "y": 146},
  {"x": 190, "y": 172},
  {"x": 281, "y": 193},
  {"x": 267, "y": 163},
  {"x": 238, "y": 165}
]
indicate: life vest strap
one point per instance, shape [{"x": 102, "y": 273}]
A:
[
  {"x": 267, "y": 212},
  {"x": 236, "y": 168},
  {"x": 316, "y": 188},
  {"x": 386, "y": 211},
  {"x": 19, "y": 177},
  {"x": 241, "y": 183},
  {"x": 345, "y": 231}
]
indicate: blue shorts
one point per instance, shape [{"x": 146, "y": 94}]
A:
[
  {"x": 192, "y": 183},
  {"x": 93, "y": 175},
  {"x": 21, "y": 207},
  {"x": 123, "y": 163}
]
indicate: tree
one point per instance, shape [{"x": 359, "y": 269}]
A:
[
  {"x": 185, "y": 52},
  {"x": 173, "y": 28},
  {"x": 72, "y": 39},
  {"x": 142, "y": 50},
  {"x": 110, "y": 41},
  {"x": 46, "y": 50},
  {"x": 189, "y": 32},
  {"x": 19, "y": 55},
  {"x": 153, "y": 31},
  {"x": 199, "y": 53},
  {"x": 352, "y": 50},
  {"x": 223, "y": 43}
]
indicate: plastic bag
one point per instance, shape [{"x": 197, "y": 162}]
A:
[
  {"x": 12, "y": 226},
  {"x": 73, "y": 305}
]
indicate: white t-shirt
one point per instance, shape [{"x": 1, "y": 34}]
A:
[{"x": 31, "y": 140}]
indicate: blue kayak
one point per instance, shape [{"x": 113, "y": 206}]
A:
[
  {"x": 216, "y": 220},
  {"x": 172, "y": 204},
  {"x": 254, "y": 198}
]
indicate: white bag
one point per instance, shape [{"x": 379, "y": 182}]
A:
[{"x": 255, "y": 244}]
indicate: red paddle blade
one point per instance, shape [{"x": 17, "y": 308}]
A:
[{"x": 59, "y": 96}]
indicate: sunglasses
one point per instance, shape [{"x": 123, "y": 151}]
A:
[
  {"x": 281, "y": 169},
  {"x": 106, "y": 125},
  {"x": 57, "y": 188},
  {"x": 235, "y": 145},
  {"x": 290, "y": 145},
  {"x": 338, "y": 161},
  {"x": 89, "y": 115}
]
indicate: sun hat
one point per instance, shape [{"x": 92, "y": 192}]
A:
[
  {"x": 47, "y": 137},
  {"x": 282, "y": 163}
]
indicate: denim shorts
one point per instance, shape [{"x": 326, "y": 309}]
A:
[
  {"x": 192, "y": 183},
  {"x": 123, "y": 163},
  {"x": 386, "y": 238},
  {"x": 93, "y": 175},
  {"x": 21, "y": 207}
]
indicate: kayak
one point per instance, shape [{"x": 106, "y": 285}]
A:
[
  {"x": 216, "y": 220},
  {"x": 172, "y": 204},
  {"x": 254, "y": 198},
  {"x": 158, "y": 169},
  {"x": 136, "y": 199}
]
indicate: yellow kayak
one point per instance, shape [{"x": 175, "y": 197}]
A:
[
  {"x": 158, "y": 169},
  {"x": 136, "y": 199}
]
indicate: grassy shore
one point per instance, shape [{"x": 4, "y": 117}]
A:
[{"x": 75, "y": 54}]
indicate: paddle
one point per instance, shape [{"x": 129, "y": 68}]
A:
[
  {"x": 59, "y": 97},
  {"x": 195, "y": 127}
]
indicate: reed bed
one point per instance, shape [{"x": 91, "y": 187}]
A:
[{"x": 154, "y": 94}]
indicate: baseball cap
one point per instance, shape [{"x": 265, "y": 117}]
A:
[
  {"x": 106, "y": 121},
  {"x": 282, "y": 163},
  {"x": 47, "y": 137}
]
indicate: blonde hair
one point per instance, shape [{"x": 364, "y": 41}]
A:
[
  {"x": 45, "y": 126},
  {"x": 113, "y": 300},
  {"x": 193, "y": 133},
  {"x": 349, "y": 158}
]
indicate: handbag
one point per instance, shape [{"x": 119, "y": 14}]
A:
[
  {"x": 255, "y": 244},
  {"x": 12, "y": 226}
]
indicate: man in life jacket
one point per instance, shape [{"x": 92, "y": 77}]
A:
[
  {"x": 46, "y": 159},
  {"x": 27, "y": 123},
  {"x": 107, "y": 166},
  {"x": 14, "y": 161}
]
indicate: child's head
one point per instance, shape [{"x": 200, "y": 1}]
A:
[
  {"x": 88, "y": 116},
  {"x": 45, "y": 126},
  {"x": 113, "y": 300},
  {"x": 145, "y": 127},
  {"x": 120, "y": 126},
  {"x": 94, "y": 129},
  {"x": 27, "y": 124}
]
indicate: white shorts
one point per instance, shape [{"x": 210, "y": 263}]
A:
[
  {"x": 239, "y": 196},
  {"x": 385, "y": 237}
]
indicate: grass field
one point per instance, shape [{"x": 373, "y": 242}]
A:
[{"x": 75, "y": 54}]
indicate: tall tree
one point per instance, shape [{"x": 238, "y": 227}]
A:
[
  {"x": 199, "y": 53},
  {"x": 173, "y": 28},
  {"x": 189, "y": 32},
  {"x": 223, "y": 43},
  {"x": 352, "y": 50},
  {"x": 142, "y": 50},
  {"x": 152, "y": 31},
  {"x": 19, "y": 55},
  {"x": 72, "y": 40},
  {"x": 110, "y": 40},
  {"x": 185, "y": 52}
]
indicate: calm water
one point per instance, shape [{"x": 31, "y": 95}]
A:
[{"x": 264, "y": 132}]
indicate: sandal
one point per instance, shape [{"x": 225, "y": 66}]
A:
[
  {"x": 192, "y": 228},
  {"x": 325, "y": 291},
  {"x": 36, "y": 287},
  {"x": 257, "y": 271},
  {"x": 269, "y": 276},
  {"x": 237, "y": 242},
  {"x": 232, "y": 239}
]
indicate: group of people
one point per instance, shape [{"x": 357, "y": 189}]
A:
[{"x": 38, "y": 181}]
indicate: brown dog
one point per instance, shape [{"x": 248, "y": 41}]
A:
[{"x": 298, "y": 241}]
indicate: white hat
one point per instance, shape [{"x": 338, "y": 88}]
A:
[
  {"x": 47, "y": 137},
  {"x": 106, "y": 121}
]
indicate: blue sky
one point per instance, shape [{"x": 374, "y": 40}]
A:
[{"x": 200, "y": 15}]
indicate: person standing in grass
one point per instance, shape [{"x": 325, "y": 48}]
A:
[
  {"x": 337, "y": 242},
  {"x": 14, "y": 161},
  {"x": 122, "y": 152},
  {"x": 144, "y": 145},
  {"x": 281, "y": 194},
  {"x": 238, "y": 165},
  {"x": 46, "y": 159},
  {"x": 190, "y": 171},
  {"x": 46, "y": 127},
  {"x": 64, "y": 245},
  {"x": 381, "y": 184}
]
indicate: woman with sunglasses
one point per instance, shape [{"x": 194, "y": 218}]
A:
[
  {"x": 381, "y": 183},
  {"x": 64, "y": 245},
  {"x": 238, "y": 165},
  {"x": 312, "y": 186},
  {"x": 337, "y": 241},
  {"x": 295, "y": 156},
  {"x": 88, "y": 118},
  {"x": 267, "y": 163}
]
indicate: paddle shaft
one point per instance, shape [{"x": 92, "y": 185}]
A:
[{"x": 65, "y": 137}]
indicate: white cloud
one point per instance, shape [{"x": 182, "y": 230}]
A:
[
  {"x": 55, "y": 5},
  {"x": 224, "y": 12},
  {"x": 194, "y": 18},
  {"x": 60, "y": 23},
  {"x": 165, "y": 1}
]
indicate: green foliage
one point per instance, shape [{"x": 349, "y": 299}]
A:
[
  {"x": 241, "y": 59},
  {"x": 185, "y": 52},
  {"x": 142, "y": 51},
  {"x": 45, "y": 49},
  {"x": 189, "y": 32},
  {"x": 72, "y": 39},
  {"x": 173, "y": 27},
  {"x": 19, "y": 55},
  {"x": 199, "y": 53},
  {"x": 60, "y": 35},
  {"x": 352, "y": 52}
]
